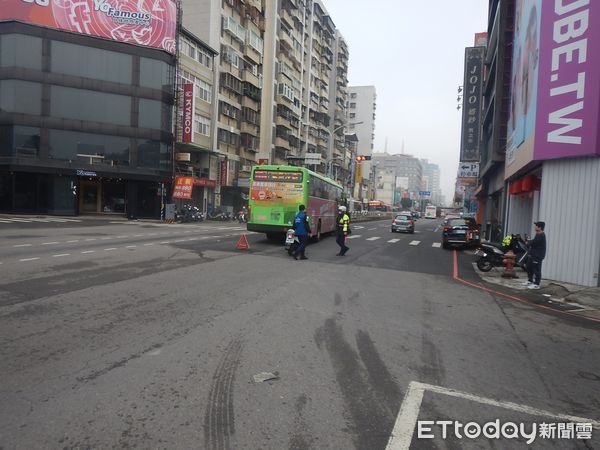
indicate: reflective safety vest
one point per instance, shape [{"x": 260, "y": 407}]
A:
[{"x": 344, "y": 222}]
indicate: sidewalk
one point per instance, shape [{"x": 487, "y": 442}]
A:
[{"x": 576, "y": 299}]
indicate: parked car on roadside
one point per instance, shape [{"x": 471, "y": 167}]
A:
[
  {"x": 461, "y": 232},
  {"x": 403, "y": 222}
]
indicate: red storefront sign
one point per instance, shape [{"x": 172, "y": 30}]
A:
[
  {"x": 204, "y": 182},
  {"x": 183, "y": 187},
  {"x": 188, "y": 112},
  {"x": 223, "y": 173},
  {"x": 150, "y": 23}
]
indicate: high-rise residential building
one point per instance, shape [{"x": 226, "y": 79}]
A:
[
  {"x": 235, "y": 28},
  {"x": 306, "y": 64},
  {"x": 431, "y": 181},
  {"x": 282, "y": 87},
  {"x": 195, "y": 127},
  {"x": 362, "y": 106}
]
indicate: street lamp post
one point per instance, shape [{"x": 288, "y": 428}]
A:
[{"x": 330, "y": 158}]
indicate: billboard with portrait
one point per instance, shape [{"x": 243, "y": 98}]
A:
[
  {"x": 555, "y": 85},
  {"x": 150, "y": 23}
]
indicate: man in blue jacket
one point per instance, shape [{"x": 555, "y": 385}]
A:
[{"x": 302, "y": 229}]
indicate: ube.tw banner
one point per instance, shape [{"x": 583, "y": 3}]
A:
[{"x": 151, "y": 23}]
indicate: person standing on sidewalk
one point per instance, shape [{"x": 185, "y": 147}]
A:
[
  {"x": 343, "y": 230},
  {"x": 537, "y": 252},
  {"x": 302, "y": 230}
]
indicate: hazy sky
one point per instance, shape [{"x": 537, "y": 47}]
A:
[{"x": 412, "y": 51}]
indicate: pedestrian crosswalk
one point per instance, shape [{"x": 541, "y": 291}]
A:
[
  {"x": 14, "y": 219},
  {"x": 413, "y": 243}
]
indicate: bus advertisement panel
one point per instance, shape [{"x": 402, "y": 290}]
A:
[{"x": 277, "y": 191}]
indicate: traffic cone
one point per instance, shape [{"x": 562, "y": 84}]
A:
[{"x": 242, "y": 243}]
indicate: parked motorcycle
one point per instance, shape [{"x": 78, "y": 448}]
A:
[
  {"x": 242, "y": 217},
  {"x": 491, "y": 254},
  {"x": 189, "y": 213}
]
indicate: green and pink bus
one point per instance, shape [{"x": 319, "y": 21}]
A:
[{"x": 277, "y": 191}]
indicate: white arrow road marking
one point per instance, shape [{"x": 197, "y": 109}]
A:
[{"x": 414, "y": 242}]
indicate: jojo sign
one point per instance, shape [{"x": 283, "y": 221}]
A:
[{"x": 150, "y": 23}]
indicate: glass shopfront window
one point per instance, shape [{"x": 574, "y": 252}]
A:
[
  {"x": 81, "y": 104},
  {"x": 89, "y": 148},
  {"x": 20, "y": 97},
  {"x": 156, "y": 74},
  {"x": 20, "y": 50},
  {"x": 19, "y": 141},
  {"x": 149, "y": 154},
  {"x": 155, "y": 115},
  {"x": 89, "y": 62}
]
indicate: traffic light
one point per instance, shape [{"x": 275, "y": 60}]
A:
[{"x": 361, "y": 158}]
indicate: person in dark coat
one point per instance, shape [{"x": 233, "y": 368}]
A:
[{"x": 537, "y": 253}]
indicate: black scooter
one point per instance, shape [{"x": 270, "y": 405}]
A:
[{"x": 491, "y": 255}]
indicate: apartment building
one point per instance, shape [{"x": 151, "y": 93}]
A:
[
  {"x": 234, "y": 28},
  {"x": 431, "y": 181},
  {"x": 306, "y": 60},
  {"x": 407, "y": 169},
  {"x": 362, "y": 106},
  {"x": 195, "y": 128}
]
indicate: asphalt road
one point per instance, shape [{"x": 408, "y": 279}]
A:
[{"x": 133, "y": 334}]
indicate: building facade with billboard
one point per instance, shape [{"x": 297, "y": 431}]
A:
[
  {"x": 552, "y": 162},
  {"x": 86, "y": 100}
]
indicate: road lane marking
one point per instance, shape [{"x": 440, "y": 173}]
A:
[
  {"x": 371, "y": 229},
  {"x": 165, "y": 242},
  {"x": 22, "y": 245},
  {"x": 130, "y": 246},
  {"x": 87, "y": 251},
  {"x": 74, "y": 240},
  {"x": 49, "y": 243},
  {"x": 61, "y": 254},
  {"x": 374, "y": 238},
  {"x": 147, "y": 245},
  {"x": 414, "y": 242},
  {"x": 28, "y": 259},
  {"x": 436, "y": 244},
  {"x": 138, "y": 235},
  {"x": 406, "y": 421},
  {"x": 105, "y": 238},
  {"x": 109, "y": 249},
  {"x": 90, "y": 239},
  {"x": 122, "y": 237},
  {"x": 393, "y": 241},
  {"x": 354, "y": 236}
]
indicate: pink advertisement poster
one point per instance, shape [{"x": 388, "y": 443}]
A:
[{"x": 150, "y": 23}]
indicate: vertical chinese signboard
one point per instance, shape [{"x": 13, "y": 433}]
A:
[
  {"x": 223, "y": 172},
  {"x": 472, "y": 86},
  {"x": 188, "y": 113}
]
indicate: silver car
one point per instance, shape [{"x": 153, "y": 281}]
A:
[{"x": 403, "y": 222}]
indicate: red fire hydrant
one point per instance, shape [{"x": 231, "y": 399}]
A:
[{"x": 509, "y": 262}]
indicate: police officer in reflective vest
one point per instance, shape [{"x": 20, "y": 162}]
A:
[{"x": 343, "y": 230}]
